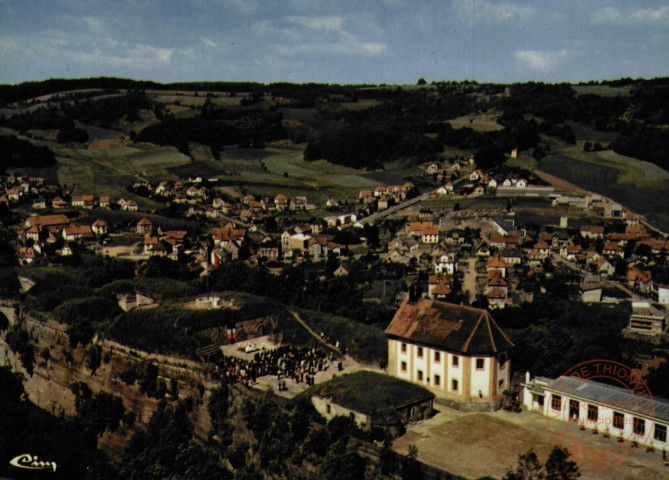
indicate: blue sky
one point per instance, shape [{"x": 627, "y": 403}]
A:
[{"x": 334, "y": 41}]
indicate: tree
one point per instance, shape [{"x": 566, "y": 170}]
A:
[
  {"x": 559, "y": 467},
  {"x": 421, "y": 81},
  {"x": 587, "y": 146},
  {"x": 527, "y": 468}
]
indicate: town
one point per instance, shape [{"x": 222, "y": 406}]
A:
[{"x": 371, "y": 240}]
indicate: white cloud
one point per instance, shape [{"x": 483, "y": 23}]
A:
[
  {"x": 347, "y": 45},
  {"x": 208, "y": 42},
  {"x": 542, "y": 61},
  {"x": 139, "y": 56},
  {"x": 485, "y": 11},
  {"x": 643, "y": 16},
  {"x": 329, "y": 24},
  {"x": 94, "y": 24}
]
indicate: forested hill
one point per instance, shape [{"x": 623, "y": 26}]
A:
[{"x": 362, "y": 126}]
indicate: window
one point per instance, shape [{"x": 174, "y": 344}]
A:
[
  {"x": 352, "y": 415},
  {"x": 500, "y": 384},
  {"x": 618, "y": 420},
  {"x": 639, "y": 426},
  {"x": 540, "y": 400},
  {"x": 454, "y": 385},
  {"x": 556, "y": 402},
  {"x": 660, "y": 433},
  {"x": 328, "y": 408},
  {"x": 404, "y": 348},
  {"x": 403, "y": 366},
  {"x": 456, "y": 361},
  {"x": 420, "y": 375},
  {"x": 420, "y": 352},
  {"x": 437, "y": 357},
  {"x": 593, "y": 412},
  {"x": 480, "y": 363},
  {"x": 437, "y": 380}
]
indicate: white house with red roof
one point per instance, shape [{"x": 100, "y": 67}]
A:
[{"x": 459, "y": 353}]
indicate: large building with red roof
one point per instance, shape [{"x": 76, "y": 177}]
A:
[{"x": 459, "y": 353}]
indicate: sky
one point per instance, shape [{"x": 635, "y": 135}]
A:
[{"x": 334, "y": 41}]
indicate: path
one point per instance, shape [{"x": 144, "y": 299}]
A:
[
  {"x": 470, "y": 279},
  {"x": 317, "y": 337}
]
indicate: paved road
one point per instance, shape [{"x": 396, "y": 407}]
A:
[{"x": 470, "y": 279}]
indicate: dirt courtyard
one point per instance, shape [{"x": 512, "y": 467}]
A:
[{"x": 475, "y": 445}]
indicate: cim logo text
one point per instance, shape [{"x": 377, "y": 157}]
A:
[{"x": 31, "y": 462}]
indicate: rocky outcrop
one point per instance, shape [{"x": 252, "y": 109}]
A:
[{"x": 57, "y": 366}]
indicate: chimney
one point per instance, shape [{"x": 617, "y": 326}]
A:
[{"x": 414, "y": 292}]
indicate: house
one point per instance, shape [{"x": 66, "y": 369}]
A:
[
  {"x": 497, "y": 266},
  {"x": 49, "y": 222},
  {"x": 39, "y": 204},
  {"x": 298, "y": 203},
  {"x": 271, "y": 251},
  {"x": 540, "y": 250},
  {"x": 59, "y": 203},
  {"x": 83, "y": 201},
  {"x": 144, "y": 226},
  {"x": 511, "y": 256},
  {"x": 446, "y": 264},
  {"x": 32, "y": 233},
  {"x": 492, "y": 183},
  {"x": 433, "y": 168},
  {"x": 26, "y": 255},
  {"x": 66, "y": 251},
  {"x": 458, "y": 353},
  {"x": 342, "y": 271},
  {"x": 366, "y": 196},
  {"x": 100, "y": 227},
  {"x": 620, "y": 412},
  {"x": 571, "y": 252},
  {"x": 318, "y": 247},
  {"x": 438, "y": 287},
  {"x": 662, "y": 294},
  {"x": 604, "y": 267},
  {"x": 613, "y": 250},
  {"x": 130, "y": 206},
  {"x": 449, "y": 188},
  {"x": 429, "y": 234},
  {"x": 14, "y": 194},
  {"x": 497, "y": 291},
  {"x": 280, "y": 202},
  {"x": 589, "y": 231},
  {"x": 77, "y": 232},
  {"x": 502, "y": 241},
  {"x": 373, "y": 401},
  {"x": 641, "y": 280},
  {"x": 591, "y": 292},
  {"x": 646, "y": 320}
]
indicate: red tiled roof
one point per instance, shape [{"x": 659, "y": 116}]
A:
[{"x": 452, "y": 327}]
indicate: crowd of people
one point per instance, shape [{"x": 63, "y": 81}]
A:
[{"x": 301, "y": 364}]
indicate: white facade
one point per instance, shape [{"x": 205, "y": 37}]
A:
[
  {"x": 449, "y": 374},
  {"x": 663, "y": 294},
  {"x": 625, "y": 419}
]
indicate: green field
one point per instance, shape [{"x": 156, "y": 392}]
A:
[
  {"x": 479, "y": 123},
  {"x": 641, "y": 194},
  {"x": 630, "y": 170}
]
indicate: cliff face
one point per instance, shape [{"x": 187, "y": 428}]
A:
[{"x": 57, "y": 366}]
